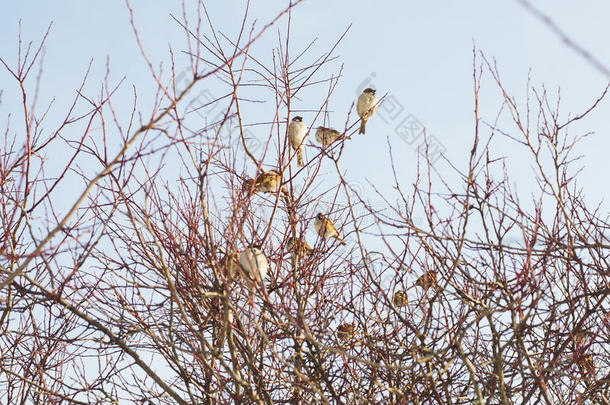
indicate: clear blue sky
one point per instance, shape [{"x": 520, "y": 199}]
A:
[{"x": 420, "y": 53}]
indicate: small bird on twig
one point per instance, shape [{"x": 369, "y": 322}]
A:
[
  {"x": 586, "y": 363},
  {"x": 327, "y": 136},
  {"x": 427, "y": 280},
  {"x": 346, "y": 331},
  {"x": 254, "y": 263},
  {"x": 267, "y": 182},
  {"x": 400, "y": 299},
  {"x": 229, "y": 263},
  {"x": 297, "y": 133},
  {"x": 299, "y": 247},
  {"x": 366, "y": 107},
  {"x": 326, "y": 228},
  {"x": 581, "y": 336}
]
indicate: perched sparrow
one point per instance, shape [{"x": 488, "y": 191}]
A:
[
  {"x": 581, "y": 336},
  {"x": 229, "y": 264},
  {"x": 210, "y": 311},
  {"x": 326, "y": 228},
  {"x": 266, "y": 182},
  {"x": 427, "y": 280},
  {"x": 299, "y": 246},
  {"x": 221, "y": 330},
  {"x": 254, "y": 263},
  {"x": 586, "y": 363},
  {"x": 346, "y": 331},
  {"x": 366, "y": 107},
  {"x": 297, "y": 132},
  {"x": 400, "y": 299},
  {"x": 421, "y": 353},
  {"x": 327, "y": 136}
]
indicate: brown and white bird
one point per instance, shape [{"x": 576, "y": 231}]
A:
[
  {"x": 266, "y": 182},
  {"x": 299, "y": 247},
  {"x": 585, "y": 363},
  {"x": 326, "y": 228},
  {"x": 581, "y": 336},
  {"x": 229, "y": 264},
  {"x": 366, "y": 107},
  {"x": 327, "y": 136},
  {"x": 427, "y": 280},
  {"x": 297, "y": 133},
  {"x": 346, "y": 331},
  {"x": 400, "y": 299},
  {"x": 254, "y": 263}
]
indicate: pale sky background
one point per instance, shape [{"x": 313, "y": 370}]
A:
[{"x": 420, "y": 53}]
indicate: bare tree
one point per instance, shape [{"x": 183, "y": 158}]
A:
[{"x": 142, "y": 289}]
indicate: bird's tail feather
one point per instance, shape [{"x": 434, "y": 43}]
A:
[
  {"x": 363, "y": 126},
  {"x": 300, "y": 157}
]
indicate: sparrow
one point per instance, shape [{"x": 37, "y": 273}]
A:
[
  {"x": 366, "y": 107},
  {"x": 266, "y": 182},
  {"x": 229, "y": 264},
  {"x": 581, "y": 336},
  {"x": 327, "y": 136},
  {"x": 297, "y": 132},
  {"x": 585, "y": 363},
  {"x": 427, "y": 280},
  {"x": 254, "y": 263},
  {"x": 400, "y": 299},
  {"x": 326, "y": 228},
  {"x": 299, "y": 246},
  {"x": 422, "y": 353},
  {"x": 346, "y": 331}
]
